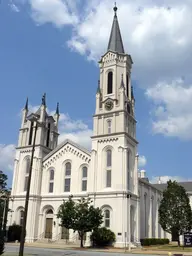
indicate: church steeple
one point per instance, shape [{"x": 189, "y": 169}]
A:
[{"x": 115, "y": 41}]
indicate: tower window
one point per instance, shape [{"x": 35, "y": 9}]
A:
[
  {"x": 31, "y": 133},
  {"x": 51, "y": 180},
  {"x": 110, "y": 83},
  {"x": 127, "y": 85},
  {"x": 108, "y": 168},
  {"x": 109, "y": 126},
  {"x": 48, "y": 134},
  {"x": 84, "y": 178},
  {"x": 128, "y": 108},
  {"x": 27, "y": 168},
  {"x": 67, "y": 184}
]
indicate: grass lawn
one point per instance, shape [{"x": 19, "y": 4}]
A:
[{"x": 170, "y": 247}]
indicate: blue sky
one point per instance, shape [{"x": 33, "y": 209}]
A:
[{"x": 53, "y": 47}]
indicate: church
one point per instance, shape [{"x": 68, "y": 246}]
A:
[{"x": 108, "y": 174}]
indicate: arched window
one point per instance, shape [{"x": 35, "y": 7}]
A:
[
  {"x": 110, "y": 83},
  {"x": 109, "y": 126},
  {"x": 84, "y": 178},
  {"x": 21, "y": 218},
  {"x": 67, "y": 177},
  {"x": 107, "y": 218},
  {"x": 108, "y": 167},
  {"x": 51, "y": 180},
  {"x": 127, "y": 85},
  {"x": 26, "y": 171}
]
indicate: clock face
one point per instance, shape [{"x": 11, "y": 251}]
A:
[{"x": 109, "y": 105}]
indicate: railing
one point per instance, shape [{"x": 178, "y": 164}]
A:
[{"x": 56, "y": 238}]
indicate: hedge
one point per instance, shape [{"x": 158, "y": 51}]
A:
[
  {"x": 102, "y": 237},
  {"x": 154, "y": 241},
  {"x": 14, "y": 233}
]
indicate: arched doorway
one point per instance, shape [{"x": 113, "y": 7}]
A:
[{"x": 49, "y": 224}]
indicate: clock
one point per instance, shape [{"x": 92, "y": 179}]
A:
[{"x": 109, "y": 105}]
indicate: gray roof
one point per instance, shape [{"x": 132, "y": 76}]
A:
[
  {"x": 186, "y": 184},
  {"x": 63, "y": 144},
  {"x": 115, "y": 40}
]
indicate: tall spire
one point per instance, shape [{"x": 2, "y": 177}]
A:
[
  {"x": 26, "y": 104},
  {"x": 115, "y": 40},
  {"x": 57, "y": 109}
]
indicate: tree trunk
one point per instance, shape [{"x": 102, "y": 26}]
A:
[
  {"x": 178, "y": 241},
  {"x": 81, "y": 238}
]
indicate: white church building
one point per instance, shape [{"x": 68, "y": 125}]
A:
[{"x": 108, "y": 174}]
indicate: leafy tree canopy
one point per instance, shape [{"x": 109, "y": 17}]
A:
[
  {"x": 175, "y": 215},
  {"x": 80, "y": 216}
]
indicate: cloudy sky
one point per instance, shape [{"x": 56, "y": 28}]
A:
[{"x": 53, "y": 46}]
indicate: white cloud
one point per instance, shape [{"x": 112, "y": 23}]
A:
[
  {"x": 172, "y": 108},
  {"x": 164, "y": 179},
  {"x": 75, "y": 130},
  {"x": 142, "y": 161},
  {"x": 7, "y": 154},
  {"x": 13, "y": 6}
]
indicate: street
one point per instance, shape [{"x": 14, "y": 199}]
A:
[{"x": 58, "y": 252}]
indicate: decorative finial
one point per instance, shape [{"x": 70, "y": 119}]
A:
[
  {"x": 26, "y": 104},
  {"x": 57, "y": 109},
  {"x": 115, "y": 9},
  {"x": 132, "y": 94},
  {"x": 44, "y": 99},
  {"x": 98, "y": 88}
]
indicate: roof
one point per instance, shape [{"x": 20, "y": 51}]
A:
[
  {"x": 146, "y": 181},
  {"x": 67, "y": 141},
  {"x": 115, "y": 41},
  {"x": 186, "y": 184}
]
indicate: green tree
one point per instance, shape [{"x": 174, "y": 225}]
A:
[
  {"x": 81, "y": 216},
  {"x": 175, "y": 214},
  {"x": 4, "y": 200}
]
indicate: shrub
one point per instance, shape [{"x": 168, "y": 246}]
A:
[
  {"x": 2, "y": 243},
  {"x": 14, "y": 233},
  {"x": 102, "y": 237},
  {"x": 154, "y": 241}
]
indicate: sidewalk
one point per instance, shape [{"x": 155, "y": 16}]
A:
[{"x": 111, "y": 250}]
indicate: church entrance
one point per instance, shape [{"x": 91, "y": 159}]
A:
[{"x": 49, "y": 224}]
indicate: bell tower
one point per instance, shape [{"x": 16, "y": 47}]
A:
[
  {"x": 114, "y": 124},
  {"x": 44, "y": 133},
  {"x": 114, "y": 160},
  {"x": 115, "y": 101}
]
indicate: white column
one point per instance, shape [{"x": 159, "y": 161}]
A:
[
  {"x": 138, "y": 220},
  {"x": 150, "y": 215},
  {"x": 156, "y": 221}
]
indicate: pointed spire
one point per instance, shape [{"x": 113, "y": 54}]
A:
[
  {"x": 122, "y": 82},
  {"x": 57, "y": 109},
  {"x": 115, "y": 40},
  {"x": 98, "y": 87},
  {"x": 26, "y": 104},
  {"x": 44, "y": 99}
]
